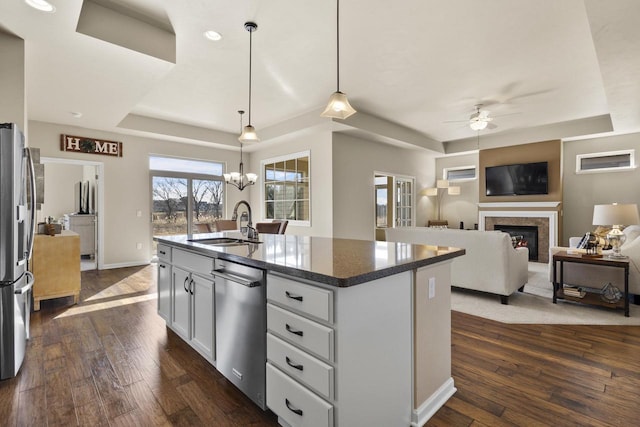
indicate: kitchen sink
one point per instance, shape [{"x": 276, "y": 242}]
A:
[{"x": 223, "y": 241}]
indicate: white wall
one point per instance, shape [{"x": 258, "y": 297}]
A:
[
  {"x": 582, "y": 191},
  {"x": 59, "y": 192},
  {"x": 465, "y": 206},
  {"x": 355, "y": 162},
  {"x": 318, "y": 142},
  {"x": 127, "y": 184}
]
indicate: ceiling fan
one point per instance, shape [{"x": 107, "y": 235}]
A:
[{"x": 479, "y": 120}]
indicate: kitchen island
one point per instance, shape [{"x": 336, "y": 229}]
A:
[{"x": 343, "y": 332}]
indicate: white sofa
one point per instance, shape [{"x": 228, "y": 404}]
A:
[
  {"x": 490, "y": 264},
  {"x": 594, "y": 276}
]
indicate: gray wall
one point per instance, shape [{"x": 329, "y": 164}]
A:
[
  {"x": 465, "y": 206},
  {"x": 582, "y": 191},
  {"x": 355, "y": 162}
]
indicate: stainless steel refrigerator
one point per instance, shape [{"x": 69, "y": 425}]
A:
[{"x": 17, "y": 224}]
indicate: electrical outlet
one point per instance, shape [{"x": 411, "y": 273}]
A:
[
  {"x": 138, "y": 246},
  {"x": 432, "y": 287}
]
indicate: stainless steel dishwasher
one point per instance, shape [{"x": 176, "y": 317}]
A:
[{"x": 241, "y": 327}]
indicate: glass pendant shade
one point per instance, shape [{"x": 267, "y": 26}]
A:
[
  {"x": 249, "y": 135},
  {"x": 338, "y": 107},
  {"x": 478, "y": 125}
]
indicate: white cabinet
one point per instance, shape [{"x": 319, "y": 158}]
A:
[
  {"x": 164, "y": 282},
  {"x": 192, "y": 301},
  {"x": 202, "y": 324},
  {"x": 340, "y": 356},
  {"x": 85, "y": 226},
  {"x": 181, "y": 300}
]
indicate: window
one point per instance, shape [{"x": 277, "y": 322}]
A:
[
  {"x": 460, "y": 173},
  {"x": 611, "y": 161},
  {"x": 185, "y": 194},
  {"x": 287, "y": 188}
]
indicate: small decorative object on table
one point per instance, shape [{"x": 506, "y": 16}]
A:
[{"x": 610, "y": 294}]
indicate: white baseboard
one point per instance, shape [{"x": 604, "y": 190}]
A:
[
  {"x": 124, "y": 264},
  {"x": 430, "y": 406}
]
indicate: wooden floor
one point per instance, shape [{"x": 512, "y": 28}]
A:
[{"x": 111, "y": 361}]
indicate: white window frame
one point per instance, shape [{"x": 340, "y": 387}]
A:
[
  {"x": 292, "y": 156},
  {"x": 456, "y": 168},
  {"x": 630, "y": 152}
]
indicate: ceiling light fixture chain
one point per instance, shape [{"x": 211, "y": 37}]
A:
[
  {"x": 249, "y": 132},
  {"x": 338, "y": 106},
  {"x": 337, "y": 45}
]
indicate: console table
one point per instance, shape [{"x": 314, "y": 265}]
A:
[{"x": 561, "y": 257}]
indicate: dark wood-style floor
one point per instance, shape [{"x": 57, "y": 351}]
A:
[{"x": 111, "y": 361}]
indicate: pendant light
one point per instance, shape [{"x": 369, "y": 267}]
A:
[
  {"x": 338, "y": 106},
  {"x": 239, "y": 179},
  {"x": 249, "y": 132}
]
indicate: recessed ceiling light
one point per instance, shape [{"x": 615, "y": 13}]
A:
[
  {"x": 76, "y": 114},
  {"x": 213, "y": 35},
  {"x": 41, "y": 5}
]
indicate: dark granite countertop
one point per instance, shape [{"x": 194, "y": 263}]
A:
[{"x": 336, "y": 262}]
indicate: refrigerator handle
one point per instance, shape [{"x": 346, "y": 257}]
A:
[
  {"x": 32, "y": 183},
  {"x": 28, "y": 286}
]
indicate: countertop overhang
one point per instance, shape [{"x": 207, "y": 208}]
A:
[{"x": 332, "y": 261}]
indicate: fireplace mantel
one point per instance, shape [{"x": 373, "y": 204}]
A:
[{"x": 518, "y": 205}]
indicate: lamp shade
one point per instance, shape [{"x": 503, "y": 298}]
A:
[
  {"x": 616, "y": 214},
  {"x": 442, "y": 183},
  {"x": 338, "y": 107},
  {"x": 431, "y": 192},
  {"x": 249, "y": 135},
  {"x": 453, "y": 190}
]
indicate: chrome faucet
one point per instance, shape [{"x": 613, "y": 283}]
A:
[{"x": 252, "y": 233}]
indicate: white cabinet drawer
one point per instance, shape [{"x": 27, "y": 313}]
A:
[
  {"x": 295, "y": 404},
  {"x": 300, "y": 365},
  {"x": 308, "y": 299},
  {"x": 193, "y": 262},
  {"x": 306, "y": 333},
  {"x": 164, "y": 252}
]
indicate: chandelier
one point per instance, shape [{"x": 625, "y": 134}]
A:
[{"x": 239, "y": 179}]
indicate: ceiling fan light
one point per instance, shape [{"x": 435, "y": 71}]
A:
[
  {"x": 249, "y": 135},
  {"x": 41, "y": 5},
  {"x": 338, "y": 107},
  {"x": 478, "y": 125}
]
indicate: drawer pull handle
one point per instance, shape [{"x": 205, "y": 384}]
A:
[
  {"x": 292, "y": 409},
  {"x": 292, "y": 296},
  {"x": 162, "y": 266},
  {"x": 163, "y": 253},
  {"x": 293, "y": 365},
  {"x": 293, "y": 331}
]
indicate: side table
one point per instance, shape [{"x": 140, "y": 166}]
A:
[{"x": 590, "y": 297}]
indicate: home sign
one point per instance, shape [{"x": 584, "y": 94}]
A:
[{"x": 81, "y": 144}]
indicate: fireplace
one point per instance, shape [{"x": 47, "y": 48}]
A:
[
  {"x": 543, "y": 215},
  {"x": 529, "y": 234}
]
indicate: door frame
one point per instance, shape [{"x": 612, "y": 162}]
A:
[
  {"x": 99, "y": 199},
  {"x": 391, "y": 198}
]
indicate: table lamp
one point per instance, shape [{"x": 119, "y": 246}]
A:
[{"x": 616, "y": 215}]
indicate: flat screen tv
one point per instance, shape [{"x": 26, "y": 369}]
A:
[{"x": 517, "y": 180}]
